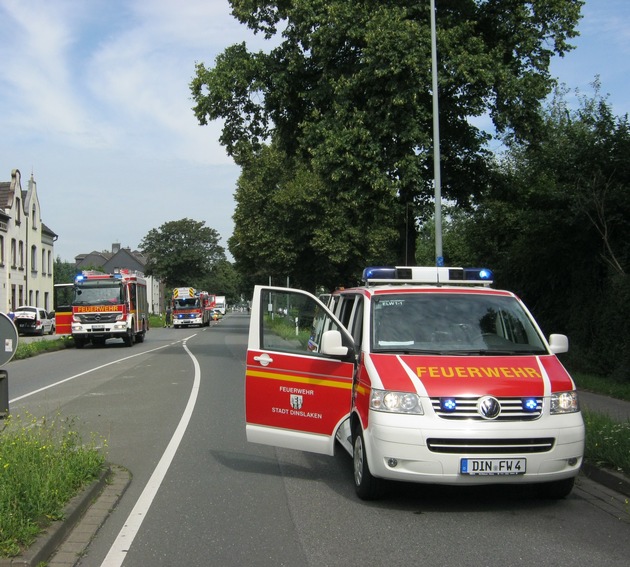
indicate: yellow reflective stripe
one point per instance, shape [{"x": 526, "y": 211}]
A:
[{"x": 300, "y": 379}]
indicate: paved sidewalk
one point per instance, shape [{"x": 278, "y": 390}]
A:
[{"x": 75, "y": 545}]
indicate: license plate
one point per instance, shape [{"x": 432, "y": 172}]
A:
[
  {"x": 492, "y": 466},
  {"x": 98, "y": 327}
]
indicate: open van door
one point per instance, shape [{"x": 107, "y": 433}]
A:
[{"x": 300, "y": 365}]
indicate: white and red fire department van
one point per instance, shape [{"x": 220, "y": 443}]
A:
[{"x": 424, "y": 375}]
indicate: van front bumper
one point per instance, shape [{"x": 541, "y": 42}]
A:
[{"x": 425, "y": 449}]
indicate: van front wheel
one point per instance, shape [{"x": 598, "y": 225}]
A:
[{"x": 367, "y": 486}]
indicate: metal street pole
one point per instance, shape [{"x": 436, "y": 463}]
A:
[{"x": 437, "y": 182}]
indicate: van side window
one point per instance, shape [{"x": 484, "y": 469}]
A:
[
  {"x": 357, "y": 322},
  {"x": 345, "y": 309},
  {"x": 292, "y": 322}
]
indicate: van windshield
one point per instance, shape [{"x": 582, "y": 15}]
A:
[{"x": 452, "y": 323}]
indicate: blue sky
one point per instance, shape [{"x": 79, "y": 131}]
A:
[{"x": 94, "y": 101}]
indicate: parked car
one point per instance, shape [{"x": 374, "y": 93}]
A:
[{"x": 33, "y": 321}]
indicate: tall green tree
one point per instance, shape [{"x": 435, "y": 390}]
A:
[
  {"x": 556, "y": 229},
  {"x": 182, "y": 253},
  {"x": 64, "y": 272},
  {"x": 346, "y": 95},
  {"x": 223, "y": 279}
]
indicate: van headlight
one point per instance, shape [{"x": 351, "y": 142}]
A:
[
  {"x": 564, "y": 402},
  {"x": 396, "y": 402}
]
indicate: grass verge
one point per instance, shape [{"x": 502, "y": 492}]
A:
[
  {"x": 600, "y": 385},
  {"x": 43, "y": 464},
  {"x": 607, "y": 442},
  {"x": 27, "y": 350}
]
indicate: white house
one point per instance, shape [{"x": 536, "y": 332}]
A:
[{"x": 26, "y": 248}]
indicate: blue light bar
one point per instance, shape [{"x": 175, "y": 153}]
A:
[
  {"x": 427, "y": 275},
  {"x": 79, "y": 278},
  {"x": 448, "y": 404}
]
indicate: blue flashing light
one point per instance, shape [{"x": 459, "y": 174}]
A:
[
  {"x": 79, "y": 278},
  {"x": 448, "y": 404},
  {"x": 530, "y": 404},
  {"x": 478, "y": 274},
  {"x": 379, "y": 273}
]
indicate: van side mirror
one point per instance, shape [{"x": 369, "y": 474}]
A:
[
  {"x": 558, "y": 343},
  {"x": 332, "y": 344}
]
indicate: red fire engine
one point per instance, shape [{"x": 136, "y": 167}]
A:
[
  {"x": 190, "y": 307},
  {"x": 108, "y": 306}
]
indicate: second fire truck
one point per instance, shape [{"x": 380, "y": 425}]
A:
[{"x": 190, "y": 307}]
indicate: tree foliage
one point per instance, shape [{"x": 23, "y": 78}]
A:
[
  {"x": 555, "y": 229},
  {"x": 182, "y": 253},
  {"x": 345, "y": 99},
  {"x": 64, "y": 272},
  {"x": 223, "y": 279}
]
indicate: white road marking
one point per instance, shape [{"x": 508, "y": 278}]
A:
[
  {"x": 120, "y": 547},
  {"x": 91, "y": 370}
]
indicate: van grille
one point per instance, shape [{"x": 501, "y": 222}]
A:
[
  {"x": 466, "y": 409},
  {"x": 491, "y": 446}
]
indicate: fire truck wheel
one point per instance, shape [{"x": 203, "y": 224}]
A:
[
  {"x": 367, "y": 487},
  {"x": 128, "y": 338}
]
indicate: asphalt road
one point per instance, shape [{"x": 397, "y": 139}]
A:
[{"x": 172, "y": 413}]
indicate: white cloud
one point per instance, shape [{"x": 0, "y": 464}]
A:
[{"x": 95, "y": 101}]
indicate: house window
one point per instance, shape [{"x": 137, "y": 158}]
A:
[
  {"x": 21, "y": 255},
  {"x": 1, "y": 250},
  {"x": 13, "y": 253},
  {"x": 49, "y": 262},
  {"x": 18, "y": 211},
  {"x": 34, "y": 216},
  {"x": 44, "y": 262},
  {"x": 33, "y": 258}
]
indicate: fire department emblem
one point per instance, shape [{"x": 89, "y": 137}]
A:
[{"x": 296, "y": 401}]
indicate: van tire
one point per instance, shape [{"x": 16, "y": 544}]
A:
[
  {"x": 367, "y": 486},
  {"x": 556, "y": 490}
]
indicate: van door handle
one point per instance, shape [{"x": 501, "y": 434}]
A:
[{"x": 264, "y": 359}]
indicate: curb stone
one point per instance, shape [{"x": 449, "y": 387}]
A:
[
  {"x": 609, "y": 478},
  {"x": 57, "y": 545}
]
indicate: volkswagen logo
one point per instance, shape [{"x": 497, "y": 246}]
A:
[{"x": 488, "y": 407}]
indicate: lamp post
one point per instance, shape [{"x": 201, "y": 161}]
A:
[{"x": 437, "y": 183}]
